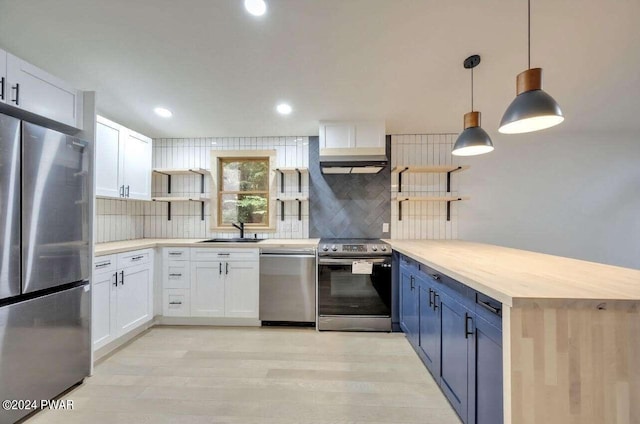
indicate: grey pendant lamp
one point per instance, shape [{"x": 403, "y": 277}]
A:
[
  {"x": 532, "y": 109},
  {"x": 473, "y": 140}
]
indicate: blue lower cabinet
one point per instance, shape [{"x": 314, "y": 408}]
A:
[
  {"x": 486, "y": 375},
  {"x": 430, "y": 334},
  {"x": 457, "y": 345},
  {"x": 409, "y": 321},
  {"x": 457, "y": 332}
]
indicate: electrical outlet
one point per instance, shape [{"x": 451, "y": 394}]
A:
[{"x": 385, "y": 227}]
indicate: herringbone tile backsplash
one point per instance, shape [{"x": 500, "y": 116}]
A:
[{"x": 352, "y": 206}]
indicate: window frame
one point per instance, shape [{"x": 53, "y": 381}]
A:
[{"x": 217, "y": 160}]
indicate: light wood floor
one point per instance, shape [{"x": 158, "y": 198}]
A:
[{"x": 258, "y": 376}]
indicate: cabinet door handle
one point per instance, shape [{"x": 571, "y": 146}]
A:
[
  {"x": 2, "y": 81},
  {"x": 431, "y": 293},
  {"x": 17, "y": 99},
  {"x": 488, "y": 307},
  {"x": 467, "y": 332},
  {"x": 436, "y": 296},
  {"x": 121, "y": 191},
  {"x": 412, "y": 286},
  {"x": 127, "y": 192},
  {"x": 226, "y": 268},
  {"x": 220, "y": 268},
  {"x": 122, "y": 278},
  {"x": 115, "y": 278}
]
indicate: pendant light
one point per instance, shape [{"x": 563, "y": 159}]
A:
[
  {"x": 532, "y": 109},
  {"x": 473, "y": 140}
]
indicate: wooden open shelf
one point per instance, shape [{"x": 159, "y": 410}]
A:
[
  {"x": 291, "y": 199},
  {"x": 168, "y": 172},
  {"x": 170, "y": 200},
  {"x": 433, "y": 169},
  {"x": 299, "y": 170},
  {"x": 448, "y": 199}
]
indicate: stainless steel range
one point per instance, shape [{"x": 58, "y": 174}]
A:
[{"x": 354, "y": 285}]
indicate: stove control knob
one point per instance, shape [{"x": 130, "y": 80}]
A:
[
  {"x": 383, "y": 248},
  {"x": 325, "y": 248},
  {"x": 334, "y": 248},
  {"x": 374, "y": 248}
]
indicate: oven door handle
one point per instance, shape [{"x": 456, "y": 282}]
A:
[{"x": 324, "y": 261}]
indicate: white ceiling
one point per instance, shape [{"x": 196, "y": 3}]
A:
[{"x": 222, "y": 71}]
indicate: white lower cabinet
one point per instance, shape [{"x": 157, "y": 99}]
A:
[
  {"x": 211, "y": 282},
  {"x": 207, "y": 289},
  {"x": 122, "y": 295},
  {"x": 241, "y": 289}
]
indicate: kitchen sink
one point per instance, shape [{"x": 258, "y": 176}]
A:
[{"x": 232, "y": 240}]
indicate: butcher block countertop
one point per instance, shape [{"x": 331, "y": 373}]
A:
[
  {"x": 102, "y": 249},
  {"x": 510, "y": 274}
]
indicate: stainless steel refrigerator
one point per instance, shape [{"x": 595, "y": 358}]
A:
[{"x": 46, "y": 190}]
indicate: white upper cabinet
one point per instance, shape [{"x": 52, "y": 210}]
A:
[
  {"x": 4, "y": 84},
  {"x": 123, "y": 162},
  {"x": 108, "y": 166},
  {"x": 34, "y": 90},
  {"x": 137, "y": 166},
  {"x": 351, "y": 135}
]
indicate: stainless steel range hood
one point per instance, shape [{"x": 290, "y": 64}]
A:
[{"x": 353, "y": 164}]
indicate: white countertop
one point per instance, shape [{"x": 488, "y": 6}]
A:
[
  {"x": 102, "y": 249},
  {"x": 509, "y": 274}
]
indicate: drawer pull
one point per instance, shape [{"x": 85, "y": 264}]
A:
[
  {"x": 488, "y": 307},
  {"x": 175, "y": 275},
  {"x": 137, "y": 258},
  {"x": 175, "y": 253},
  {"x": 467, "y": 332},
  {"x": 435, "y": 277},
  {"x": 224, "y": 254},
  {"x": 175, "y": 303},
  {"x": 103, "y": 264}
]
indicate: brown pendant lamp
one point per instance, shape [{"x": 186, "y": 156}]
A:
[
  {"x": 473, "y": 140},
  {"x": 532, "y": 109}
]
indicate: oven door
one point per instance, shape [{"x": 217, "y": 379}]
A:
[{"x": 341, "y": 292}]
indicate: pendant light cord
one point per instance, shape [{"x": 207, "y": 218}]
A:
[
  {"x": 471, "y": 89},
  {"x": 529, "y": 30}
]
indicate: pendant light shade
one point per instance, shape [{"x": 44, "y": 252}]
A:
[
  {"x": 473, "y": 140},
  {"x": 532, "y": 109}
]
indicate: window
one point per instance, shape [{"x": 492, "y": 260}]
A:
[{"x": 243, "y": 183}]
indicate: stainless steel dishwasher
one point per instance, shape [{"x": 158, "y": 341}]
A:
[{"x": 288, "y": 286}]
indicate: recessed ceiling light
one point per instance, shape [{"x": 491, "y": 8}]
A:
[
  {"x": 284, "y": 109},
  {"x": 255, "y": 7},
  {"x": 165, "y": 113}
]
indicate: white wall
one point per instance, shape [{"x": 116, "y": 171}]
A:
[{"x": 570, "y": 195}]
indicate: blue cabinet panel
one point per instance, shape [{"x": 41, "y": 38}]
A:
[
  {"x": 456, "y": 343},
  {"x": 430, "y": 328},
  {"x": 409, "y": 305},
  {"x": 487, "y": 378}
]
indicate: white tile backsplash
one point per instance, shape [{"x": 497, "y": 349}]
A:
[
  {"x": 195, "y": 153},
  {"x": 118, "y": 220},
  {"x": 424, "y": 220}
]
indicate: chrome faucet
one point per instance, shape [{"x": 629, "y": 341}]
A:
[{"x": 239, "y": 226}]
